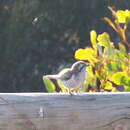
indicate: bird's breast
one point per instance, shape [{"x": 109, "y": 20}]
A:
[{"x": 75, "y": 81}]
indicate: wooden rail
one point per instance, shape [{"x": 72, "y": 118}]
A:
[{"x": 42, "y": 111}]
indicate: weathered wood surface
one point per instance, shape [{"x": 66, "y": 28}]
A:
[{"x": 40, "y": 111}]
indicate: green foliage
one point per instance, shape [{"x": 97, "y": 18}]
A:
[
  {"x": 110, "y": 64},
  {"x": 120, "y": 78},
  {"x": 49, "y": 85}
]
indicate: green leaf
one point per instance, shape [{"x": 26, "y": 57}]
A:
[
  {"x": 127, "y": 89},
  {"x": 108, "y": 51},
  {"x": 120, "y": 78},
  {"x": 49, "y": 85},
  {"x": 122, "y": 48},
  {"x": 114, "y": 66}
]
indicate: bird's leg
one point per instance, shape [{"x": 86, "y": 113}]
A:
[
  {"x": 71, "y": 92},
  {"x": 77, "y": 90}
]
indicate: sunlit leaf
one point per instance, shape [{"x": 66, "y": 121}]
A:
[
  {"x": 120, "y": 78},
  {"x": 127, "y": 13},
  {"x": 124, "y": 66},
  {"x": 49, "y": 85},
  {"x": 123, "y": 16},
  {"x": 114, "y": 90},
  {"x": 93, "y": 38},
  {"x": 90, "y": 71},
  {"x": 110, "y": 22},
  {"x": 86, "y": 54},
  {"x": 108, "y": 86},
  {"x": 91, "y": 78},
  {"x": 104, "y": 39}
]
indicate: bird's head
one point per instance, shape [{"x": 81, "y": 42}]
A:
[{"x": 79, "y": 66}]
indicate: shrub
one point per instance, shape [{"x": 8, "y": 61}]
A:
[{"x": 109, "y": 65}]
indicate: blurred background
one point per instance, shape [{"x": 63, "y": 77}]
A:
[{"x": 39, "y": 37}]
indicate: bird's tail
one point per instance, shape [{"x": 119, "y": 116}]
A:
[{"x": 51, "y": 76}]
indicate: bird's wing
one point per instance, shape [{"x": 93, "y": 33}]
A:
[{"x": 66, "y": 75}]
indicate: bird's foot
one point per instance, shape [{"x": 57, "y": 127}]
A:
[
  {"x": 75, "y": 91},
  {"x": 71, "y": 92}
]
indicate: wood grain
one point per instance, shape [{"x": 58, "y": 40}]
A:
[{"x": 60, "y": 111}]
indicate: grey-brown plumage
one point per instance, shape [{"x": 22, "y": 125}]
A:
[{"x": 72, "y": 77}]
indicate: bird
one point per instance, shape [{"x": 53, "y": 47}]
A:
[{"x": 71, "y": 78}]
